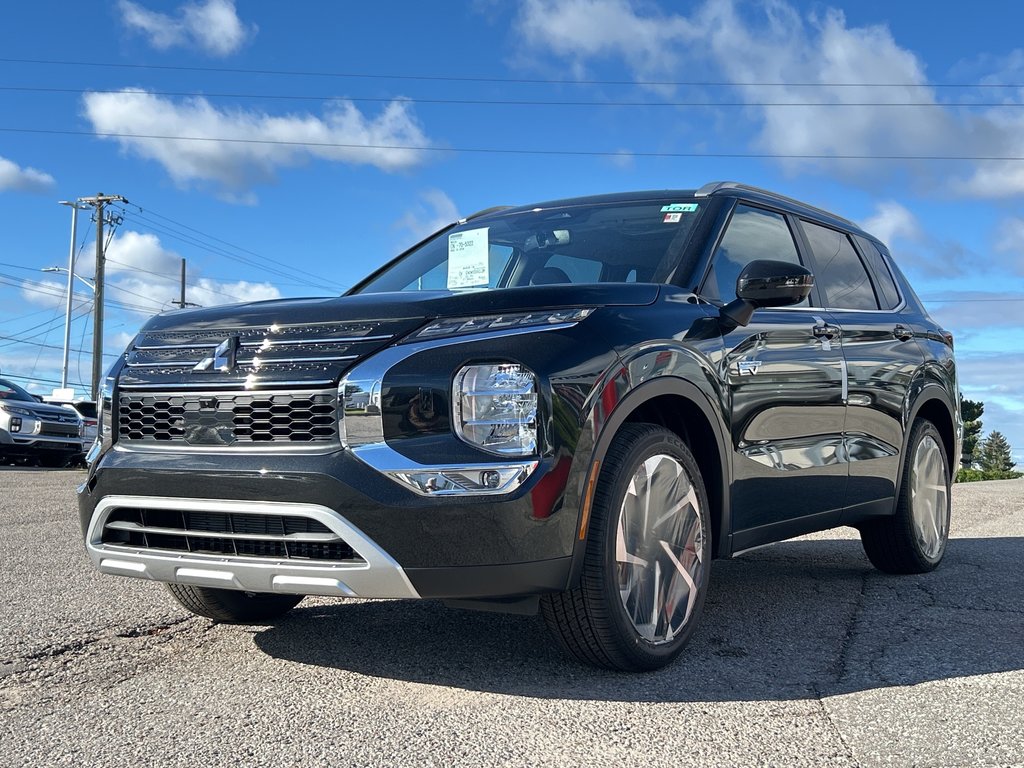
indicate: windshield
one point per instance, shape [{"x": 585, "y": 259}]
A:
[
  {"x": 11, "y": 391},
  {"x": 616, "y": 242}
]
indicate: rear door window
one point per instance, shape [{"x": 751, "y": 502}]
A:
[{"x": 839, "y": 272}]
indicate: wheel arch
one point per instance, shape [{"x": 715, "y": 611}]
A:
[
  {"x": 684, "y": 409},
  {"x": 934, "y": 404}
]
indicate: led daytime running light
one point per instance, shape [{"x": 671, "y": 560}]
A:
[{"x": 462, "y": 326}]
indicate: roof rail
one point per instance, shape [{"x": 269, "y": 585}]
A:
[
  {"x": 715, "y": 186},
  {"x": 485, "y": 211}
]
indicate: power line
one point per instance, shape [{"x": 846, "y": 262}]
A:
[
  {"x": 215, "y": 250},
  {"x": 511, "y": 151},
  {"x": 43, "y": 345},
  {"x": 506, "y": 102},
  {"x": 50, "y": 323},
  {"x": 21, "y": 317},
  {"x": 175, "y": 280},
  {"x": 487, "y": 79},
  {"x": 44, "y": 289},
  {"x": 38, "y": 379},
  {"x": 142, "y": 213}
]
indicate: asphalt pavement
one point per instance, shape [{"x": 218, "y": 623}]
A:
[{"x": 805, "y": 656}]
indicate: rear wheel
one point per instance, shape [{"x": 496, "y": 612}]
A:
[
  {"x": 230, "y": 606},
  {"x": 646, "y": 567},
  {"x": 914, "y": 539}
]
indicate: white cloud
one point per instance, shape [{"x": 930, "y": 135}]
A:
[
  {"x": 342, "y": 134},
  {"x": 915, "y": 248},
  {"x": 145, "y": 276},
  {"x": 584, "y": 29},
  {"x": 52, "y": 293},
  {"x": 623, "y": 159},
  {"x": 18, "y": 179},
  {"x": 433, "y": 210},
  {"x": 892, "y": 220},
  {"x": 1010, "y": 240},
  {"x": 963, "y": 312},
  {"x": 774, "y": 43},
  {"x": 212, "y": 26},
  {"x": 993, "y": 378}
]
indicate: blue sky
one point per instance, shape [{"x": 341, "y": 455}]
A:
[{"x": 259, "y": 220}]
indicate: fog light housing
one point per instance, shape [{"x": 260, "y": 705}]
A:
[
  {"x": 15, "y": 424},
  {"x": 496, "y": 408}
]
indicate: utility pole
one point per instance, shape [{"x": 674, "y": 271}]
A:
[
  {"x": 98, "y": 202},
  {"x": 75, "y": 208},
  {"x": 181, "y": 301}
]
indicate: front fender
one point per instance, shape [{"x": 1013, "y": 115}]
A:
[{"x": 646, "y": 372}]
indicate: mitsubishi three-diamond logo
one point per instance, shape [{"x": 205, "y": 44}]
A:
[{"x": 223, "y": 358}]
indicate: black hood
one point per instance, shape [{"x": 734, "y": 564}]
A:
[
  {"x": 420, "y": 305},
  {"x": 311, "y": 342}
]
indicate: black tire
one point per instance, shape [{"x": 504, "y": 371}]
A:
[
  {"x": 54, "y": 460},
  {"x": 893, "y": 544},
  {"x": 230, "y": 606},
  {"x": 591, "y": 622}
]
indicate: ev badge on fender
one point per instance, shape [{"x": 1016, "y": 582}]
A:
[{"x": 749, "y": 367}]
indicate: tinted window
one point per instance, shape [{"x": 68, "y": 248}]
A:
[
  {"x": 888, "y": 297},
  {"x": 603, "y": 242},
  {"x": 11, "y": 391},
  {"x": 578, "y": 270},
  {"x": 752, "y": 234},
  {"x": 839, "y": 272}
]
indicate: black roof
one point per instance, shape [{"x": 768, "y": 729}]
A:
[{"x": 712, "y": 189}]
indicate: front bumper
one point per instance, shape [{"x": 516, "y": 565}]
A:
[
  {"x": 16, "y": 444},
  {"x": 375, "y": 574},
  {"x": 413, "y": 546}
]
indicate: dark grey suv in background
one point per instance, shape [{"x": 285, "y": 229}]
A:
[{"x": 569, "y": 406}]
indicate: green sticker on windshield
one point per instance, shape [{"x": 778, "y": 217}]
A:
[{"x": 679, "y": 208}]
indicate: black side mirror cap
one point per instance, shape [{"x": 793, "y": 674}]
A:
[{"x": 767, "y": 283}]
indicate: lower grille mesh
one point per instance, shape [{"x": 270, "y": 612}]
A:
[
  {"x": 228, "y": 418},
  {"x": 279, "y": 537}
]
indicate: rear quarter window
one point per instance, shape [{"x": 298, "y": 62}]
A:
[{"x": 888, "y": 294}]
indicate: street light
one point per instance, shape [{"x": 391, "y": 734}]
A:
[
  {"x": 67, "y": 317},
  {"x": 92, "y": 285}
]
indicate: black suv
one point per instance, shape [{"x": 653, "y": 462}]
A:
[{"x": 572, "y": 406}]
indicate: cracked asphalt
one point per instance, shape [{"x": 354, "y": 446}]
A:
[{"x": 805, "y": 656}]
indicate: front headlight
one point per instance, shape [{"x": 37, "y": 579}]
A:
[
  {"x": 15, "y": 410},
  {"x": 496, "y": 408}
]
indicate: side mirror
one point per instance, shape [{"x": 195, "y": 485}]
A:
[{"x": 766, "y": 283}]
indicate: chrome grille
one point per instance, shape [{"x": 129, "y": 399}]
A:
[
  {"x": 263, "y": 356},
  {"x": 240, "y": 534},
  {"x": 226, "y": 418}
]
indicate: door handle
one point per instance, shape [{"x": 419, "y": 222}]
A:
[
  {"x": 825, "y": 331},
  {"x": 902, "y": 333}
]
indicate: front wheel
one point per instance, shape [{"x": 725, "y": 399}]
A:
[
  {"x": 647, "y": 561},
  {"x": 914, "y": 539},
  {"x": 231, "y": 606}
]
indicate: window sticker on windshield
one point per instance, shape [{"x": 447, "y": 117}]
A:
[
  {"x": 672, "y": 218},
  {"x": 468, "y": 259},
  {"x": 679, "y": 208}
]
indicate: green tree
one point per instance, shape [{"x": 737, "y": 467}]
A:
[
  {"x": 970, "y": 412},
  {"x": 994, "y": 453}
]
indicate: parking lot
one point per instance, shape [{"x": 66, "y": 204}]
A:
[{"x": 806, "y": 656}]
